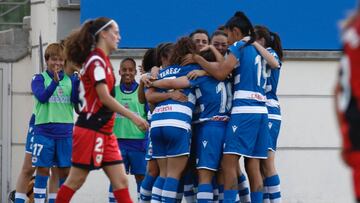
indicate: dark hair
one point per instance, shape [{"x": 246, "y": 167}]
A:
[
  {"x": 128, "y": 59},
  {"x": 218, "y": 32},
  {"x": 243, "y": 23},
  {"x": 149, "y": 59},
  {"x": 200, "y": 31},
  {"x": 182, "y": 47},
  {"x": 208, "y": 55},
  {"x": 163, "y": 50},
  {"x": 221, "y": 27},
  {"x": 271, "y": 39},
  {"x": 78, "y": 44}
]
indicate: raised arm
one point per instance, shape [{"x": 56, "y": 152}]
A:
[
  {"x": 270, "y": 59},
  {"x": 177, "y": 83},
  {"x": 141, "y": 93},
  {"x": 218, "y": 70}
]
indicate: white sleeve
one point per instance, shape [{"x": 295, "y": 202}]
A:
[{"x": 99, "y": 73}]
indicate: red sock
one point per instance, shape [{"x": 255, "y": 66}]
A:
[
  {"x": 64, "y": 195},
  {"x": 122, "y": 195}
]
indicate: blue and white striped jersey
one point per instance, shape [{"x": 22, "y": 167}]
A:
[
  {"x": 272, "y": 80},
  {"x": 171, "y": 112},
  {"x": 213, "y": 100},
  {"x": 249, "y": 81}
]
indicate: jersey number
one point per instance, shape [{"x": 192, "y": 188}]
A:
[
  {"x": 37, "y": 149},
  {"x": 99, "y": 144},
  {"x": 221, "y": 88}
]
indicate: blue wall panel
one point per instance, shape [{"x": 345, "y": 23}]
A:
[{"x": 302, "y": 24}]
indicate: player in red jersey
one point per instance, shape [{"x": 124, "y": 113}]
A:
[
  {"x": 348, "y": 97},
  {"x": 94, "y": 145}
]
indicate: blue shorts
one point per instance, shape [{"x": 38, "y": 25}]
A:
[
  {"x": 274, "y": 130},
  {"x": 170, "y": 142},
  {"x": 149, "y": 152},
  {"x": 210, "y": 139},
  {"x": 49, "y": 152},
  {"x": 134, "y": 161},
  {"x": 248, "y": 135},
  {"x": 29, "y": 140}
]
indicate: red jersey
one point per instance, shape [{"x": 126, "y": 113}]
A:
[
  {"x": 351, "y": 59},
  {"x": 93, "y": 114}
]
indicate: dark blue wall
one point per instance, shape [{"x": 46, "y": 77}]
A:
[{"x": 301, "y": 24}]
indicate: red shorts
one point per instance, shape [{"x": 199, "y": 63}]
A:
[{"x": 93, "y": 150}]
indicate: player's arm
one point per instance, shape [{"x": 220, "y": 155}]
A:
[
  {"x": 270, "y": 59},
  {"x": 177, "y": 83},
  {"x": 141, "y": 93},
  {"x": 218, "y": 70},
  {"x": 42, "y": 93},
  {"x": 110, "y": 102},
  {"x": 154, "y": 97},
  {"x": 218, "y": 56}
]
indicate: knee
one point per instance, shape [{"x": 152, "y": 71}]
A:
[
  {"x": 42, "y": 171},
  {"x": 28, "y": 171},
  {"x": 153, "y": 171},
  {"x": 267, "y": 168},
  {"x": 75, "y": 182}
]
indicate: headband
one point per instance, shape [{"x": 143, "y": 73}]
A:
[{"x": 104, "y": 26}]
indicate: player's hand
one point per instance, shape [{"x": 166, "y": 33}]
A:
[
  {"x": 188, "y": 59},
  {"x": 145, "y": 80},
  {"x": 178, "y": 95},
  {"x": 154, "y": 72},
  {"x": 56, "y": 76},
  {"x": 246, "y": 39},
  {"x": 141, "y": 123},
  {"x": 192, "y": 75},
  {"x": 205, "y": 48}
]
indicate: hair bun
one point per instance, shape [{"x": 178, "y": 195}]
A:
[{"x": 239, "y": 14}]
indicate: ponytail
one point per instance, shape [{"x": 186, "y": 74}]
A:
[
  {"x": 242, "y": 22},
  {"x": 271, "y": 39},
  {"x": 276, "y": 44},
  {"x": 79, "y": 44}
]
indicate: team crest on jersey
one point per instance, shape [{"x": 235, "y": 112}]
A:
[
  {"x": 60, "y": 91},
  {"x": 99, "y": 158},
  {"x": 34, "y": 159},
  {"x": 234, "y": 127},
  {"x": 204, "y": 143}
]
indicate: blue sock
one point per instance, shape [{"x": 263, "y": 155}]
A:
[
  {"x": 180, "y": 191},
  {"x": 205, "y": 193},
  {"x": 157, "y": 189},
  {"x": 20, "y": 197},
  {"x": 170, "y": 190},
  {"x": 40, "y": 188},
  {"x": 256, "y": 197},
  {"x": 146, "y": 186},
  {"x": 111, "y": 195},
  {"x": 138, "y": 186},
  {"x": 61, "y": 181},
  {"x": 230, "y": 196},
  {"x": 189, "y": 188},
  {"x": 272, "y": 187},
  {"x": 221, "y": 193},
  {"x": 244, "y": 193},
  {"x": 215, "y": 190},
  {"x": 51, "y": 197}
]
